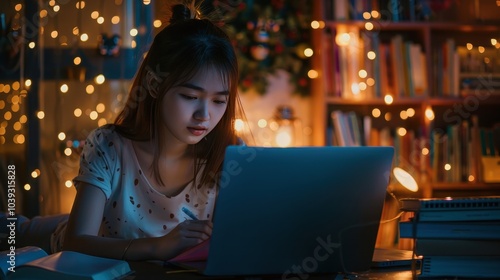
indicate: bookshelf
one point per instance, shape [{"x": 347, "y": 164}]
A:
[{"x": 442, "y": 78}]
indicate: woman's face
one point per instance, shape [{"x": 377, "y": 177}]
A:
[{"x": 192, "y": 109}]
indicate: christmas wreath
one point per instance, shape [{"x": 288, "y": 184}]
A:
[{"x": 268, "y": 36}]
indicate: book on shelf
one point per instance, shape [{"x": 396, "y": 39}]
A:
[
  {"x": 33, "y": 263},
  {"x": 489, "y": 230},
  {"x": 461, "y": 266},
  {"x": 457, "y": 247}
]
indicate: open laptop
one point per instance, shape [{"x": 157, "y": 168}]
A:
[{"x": 296, "y": 211}]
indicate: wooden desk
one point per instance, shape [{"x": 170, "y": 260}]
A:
[{"x": 155, "y": 270}]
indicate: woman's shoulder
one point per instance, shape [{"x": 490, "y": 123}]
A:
[{"x": 105, "y": 135}]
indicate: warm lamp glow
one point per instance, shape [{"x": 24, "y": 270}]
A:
[{"x": 405, "y": 179}]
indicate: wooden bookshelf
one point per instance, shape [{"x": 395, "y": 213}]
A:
[{"x": 444, "y": 95}]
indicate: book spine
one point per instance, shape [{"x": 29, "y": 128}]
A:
[
  {"x": 457, "y": 247},
  {"x": 461, "y": 266},
  {"x": 449, "y": 230},
  {"x": 461, "y": 215}
]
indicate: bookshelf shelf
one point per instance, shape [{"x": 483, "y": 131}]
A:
[{"x": 446, "y": 71}]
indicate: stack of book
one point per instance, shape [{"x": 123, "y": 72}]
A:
[{"x": 457, "y": 237}]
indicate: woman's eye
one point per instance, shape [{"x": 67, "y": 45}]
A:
[
  {"x": 188, "y": 97},
  {"x": 220, "y": 101}
]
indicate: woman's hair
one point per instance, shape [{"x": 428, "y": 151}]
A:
[{"x": 186, "y": 46}]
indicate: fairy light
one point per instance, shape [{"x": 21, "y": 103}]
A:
[
  {"x": 116, "y": 20},
  {"x": 77, "y": 60},
  {"x": 80, "y": 5},
  {"x": 7, "y": 116},
  {"x": 94, "y": 15},
  {"x": 27, "y": 83},
  {"x": 102, "y": 121},
  {"x": 77, "y": 112},
  {"x": 388, "y": 116},
  {"x": 157, "y": 23},
  {"x": 369, "y": 26},
  {"x": 31, "y": 45},
  {"x": 410, "y": 112},
  {"x": 99, "y": 79},
  {"x": 370, "y": 82},
  {"x": 100, "y": 20},
  {"x": 362, "y": 73},
  {"x": 469, "y": 46},
  {"x": 376, "y": 113},
  {"x": 388, "y": 99},
  {"x": 308, "y": 52},
  {"x": 56, "y": 8},
  {"x": 362, "y": 86},
  {"x": 133, "y": 32},
  {"x": 89, "y": 89},
  {"x": 262, "y": 123},
  {"x": 18, "y": 139},
  {"x": 402, "y": 131},
  {"x": 100, "y": 108},
  {"x": 16, "y": 85},
  {"x": 18, "y": 7},
  {"x": 84, "y": 37},
  {"x": 64, "y": 88},
  {"x": 429, "y": 114},
  {"x": 314, "y": 24},
  {"x": 93, "y": 115},
  {"x": 371, "y": 55},
  {"x": 40, "y": 115},
  {"x": 68, "y": 183},
  {"x": 61, "y": 136},
  {"x": 403, "y": 115},
  {"x": 312, "y": 74}
]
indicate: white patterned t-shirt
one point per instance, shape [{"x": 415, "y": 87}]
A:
[{"x": 134, "y": 209}]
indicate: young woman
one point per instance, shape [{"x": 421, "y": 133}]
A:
[{"x": 164, "y": 152}]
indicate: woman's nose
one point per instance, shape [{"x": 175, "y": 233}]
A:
[{"x": 201, "y": 112}]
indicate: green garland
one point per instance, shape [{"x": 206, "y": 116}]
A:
[{"x": 268, "y": 36}]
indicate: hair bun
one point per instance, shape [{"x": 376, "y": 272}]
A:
[{"x": 179, "y": 13}]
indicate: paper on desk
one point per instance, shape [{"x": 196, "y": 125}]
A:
[{"x": 196, "y": 253}]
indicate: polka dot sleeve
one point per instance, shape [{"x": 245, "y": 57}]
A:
[{"x": 98, "y": 160}]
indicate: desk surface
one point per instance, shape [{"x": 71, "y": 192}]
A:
[{"x": 155, "y": 270}]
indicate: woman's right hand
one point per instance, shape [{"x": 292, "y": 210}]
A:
[{"x": 184, "y": 236}]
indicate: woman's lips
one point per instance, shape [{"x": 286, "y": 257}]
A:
[{"x": 197, "y": 131}]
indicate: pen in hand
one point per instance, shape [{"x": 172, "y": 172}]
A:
[{"x": 189, "y": 213}]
